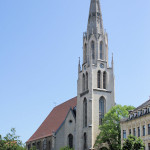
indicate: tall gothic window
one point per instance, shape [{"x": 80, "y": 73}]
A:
[
  {"x": 86, "y": 81},
  {"x": 101, "y": 50},
  {"x": 70, "y": 140},
  {"x": 85, "y": 141},
  {"x": 85, "y": 53},
  {"x": 101, "y": 109},
  {"x": 93, "y": 49},
  {"x": 85, "y": 113},
  {"x": 83, "y": 83},
  {"x": 104, "y": 80},
  {"x": 98, "y": 78}
]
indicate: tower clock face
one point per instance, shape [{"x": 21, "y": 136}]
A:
[{"x": 102, "y": 65}]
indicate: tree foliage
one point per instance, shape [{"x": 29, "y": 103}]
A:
[
  {"x": 11, "y": 141},
  {"x": 133, "y": 143},
  {"x": 66, "y": 148},
  {"x": 110, "y": 131}
]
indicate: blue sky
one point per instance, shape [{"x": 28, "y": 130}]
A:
[{"x": 40, "y": 42}]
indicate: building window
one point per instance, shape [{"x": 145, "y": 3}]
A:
[
  {"x": 85, "y": 53},
  {"x": 144, "y": 130},
  {"x": 93, "y": 49},
  {"x": 104, "y": 80},
  {"x": 139, "y": 113},
  {"x": 85, "y": 113},
  {"x": 44, "y": 144},
  {"x": 138, "y": 131},
  {"x": 70, "y": 140},
  {"x": 83, "y": 83},
  {"x": 148, "y": 129},
  {"x": 86, "y": 81},
  {"x": 124, "y": 134},
  {"x": 50, "y": 145},
  {"x": 134, "y": 131},
  {"x": 148, "y": 146},
  {"x": 29, "y": 146},
  {"x": 101, "y": 50},
  {"x": 85, "y": 141},
  {"x": 98, "y": 78},
  {"x": 101, "y": 109},
  {"x": 129, "y": 131}
]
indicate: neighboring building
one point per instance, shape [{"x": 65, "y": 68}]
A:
[
  {"x": 138, "y": 124},
  {"x": 75, "y": 122}
]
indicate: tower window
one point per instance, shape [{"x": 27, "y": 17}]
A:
[
  {"x": 98, "y": 78},
  {"x": 93, "y": 49},
  {"x": 101, "y": 109},
  {"x": 85, "y": 141},
  {"x": 70, "y": 140},
  {"x": 104, "y": 80},
  {"x": 86, "y": 80},
  {"x": 83, "y": 83},
  {"x": 101, "y": 50},
  {"x": 85, "y": 53},
  {"x": 85, "y": 113}
]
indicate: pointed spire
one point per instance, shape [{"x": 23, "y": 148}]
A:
[{"x": 95, "y": 22}]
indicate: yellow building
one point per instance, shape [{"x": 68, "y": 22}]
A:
[{"x": 138, "y": 124}]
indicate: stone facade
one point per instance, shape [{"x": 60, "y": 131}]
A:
[
  {"x": 42, "y": 144},
  {"x": 95, "y": 59},
  {"x": 138, "y": 124}
]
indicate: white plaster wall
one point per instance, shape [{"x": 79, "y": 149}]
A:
[{"x": 67, "y": 128}]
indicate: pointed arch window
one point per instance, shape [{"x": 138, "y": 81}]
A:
[
  {"x": 104, "y": 79},
  {"x": 93, "y": 49},
  {"x": 85, "y": 53},
  {"x": 70, "y": 140},
  {"x": 86, "y": 81},
  {"x": 101, "y": 109},
  {"x": 101, "y": 50},
  {"x": 85, "y": 141},
  {"x": 85, "y": 113},
  {"x": 83, "y": 83},
  {"x": 98, "y": 78}
]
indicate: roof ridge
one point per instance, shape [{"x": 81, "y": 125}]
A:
[
  {"x": 64, "y": 102},
  {"x": 142, "y": 105}
]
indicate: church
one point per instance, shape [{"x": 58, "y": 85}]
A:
[{"x": 75, "y": 122}]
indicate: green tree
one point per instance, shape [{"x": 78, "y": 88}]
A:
[
  {"x": 110, "y": 131},
  {"x": 11, "y": 141},
  {"x": 133, "y": 143},
  {"x": 66, "y": 148}
]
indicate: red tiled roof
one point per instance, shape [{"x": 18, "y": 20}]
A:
[{"x": 54, "y": 120}]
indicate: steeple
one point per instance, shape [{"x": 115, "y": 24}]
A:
[{"x": 95, "y": 22}]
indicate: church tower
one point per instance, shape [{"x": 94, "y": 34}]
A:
[{"x": 95, "y": 85}]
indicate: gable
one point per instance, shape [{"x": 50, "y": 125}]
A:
[{"x": 54, "y": 120}]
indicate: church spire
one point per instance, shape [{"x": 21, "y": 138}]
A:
[{"x": 95, "y": 22}]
